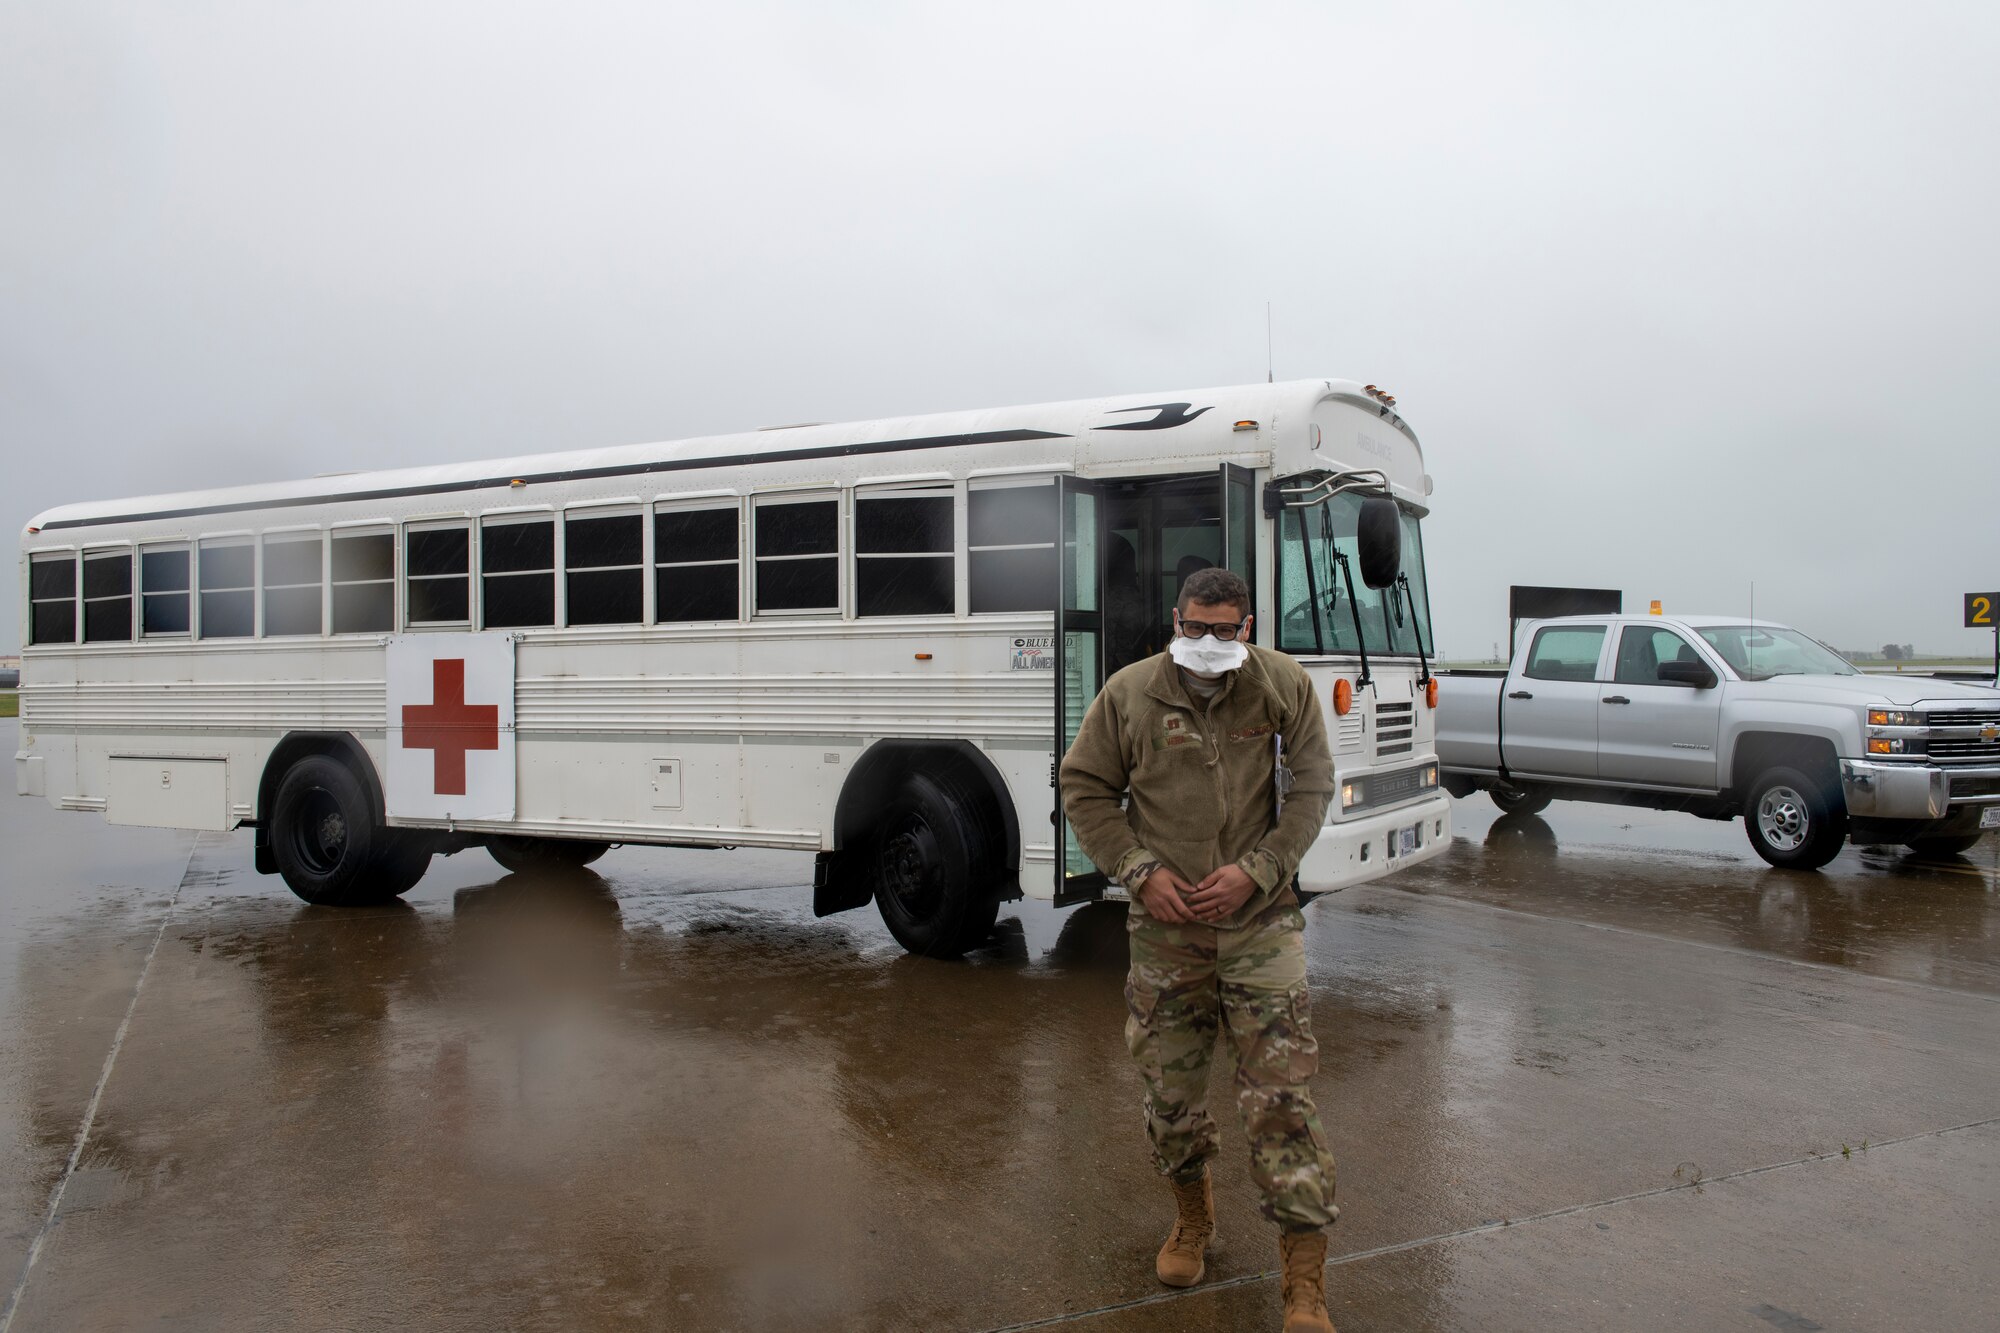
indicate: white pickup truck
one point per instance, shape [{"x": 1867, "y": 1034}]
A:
[{"x": 1723, "y": 717}]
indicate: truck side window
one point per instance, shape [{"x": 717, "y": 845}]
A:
[
  {"x": 1566, "y": 652},
  {"x": 1641, "y": 649}
]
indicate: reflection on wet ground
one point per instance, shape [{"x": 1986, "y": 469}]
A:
[
  {"x": 1570, "y": 1085},
  {"x": 1884, "y": 911}
]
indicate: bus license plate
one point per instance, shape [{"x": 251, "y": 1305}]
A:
[
  {"x": 1990, "y": 817},
  {"x": 1403, "y": 841}
]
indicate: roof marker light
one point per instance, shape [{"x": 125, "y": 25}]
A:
[{"x": 1246, "y": 425}]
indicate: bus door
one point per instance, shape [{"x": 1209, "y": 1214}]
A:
[
  {"x": 1079, "y": 649},
  {"x": 1239, "y": 525}
]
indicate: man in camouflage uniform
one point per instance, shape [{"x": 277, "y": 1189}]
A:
[{"x": 1215, "y": 929}]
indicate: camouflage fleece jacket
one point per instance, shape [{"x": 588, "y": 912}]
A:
[{"x": 1200, "y": 774}]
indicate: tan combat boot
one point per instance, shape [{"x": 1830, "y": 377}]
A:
[
  {"x": 1180, "y": 1262},
  {"x": 1304, "y": 1279}
]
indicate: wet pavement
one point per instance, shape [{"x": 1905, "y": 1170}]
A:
[{"x": 1596, "y": 1069}]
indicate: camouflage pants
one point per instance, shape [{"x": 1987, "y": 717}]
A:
[{"x": 1189, "y": 983}]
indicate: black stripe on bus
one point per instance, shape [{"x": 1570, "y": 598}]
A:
[{"x": 580, "y": 474}]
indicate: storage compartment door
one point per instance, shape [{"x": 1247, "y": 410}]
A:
[{"x": 149, "y": 791}]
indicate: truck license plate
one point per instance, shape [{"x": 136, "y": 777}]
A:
[
  {"x": 1990, "y": 817},
  {"x": 1403, "y": 841}
]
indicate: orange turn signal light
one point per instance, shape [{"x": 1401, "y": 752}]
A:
[
  {"x": 923, "y": 657},
  {"x": 1343, "y": 696},
  {"x": 1431, "y": 692}
]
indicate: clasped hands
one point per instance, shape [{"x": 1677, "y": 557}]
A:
[{"x": 1168, "y": 897}]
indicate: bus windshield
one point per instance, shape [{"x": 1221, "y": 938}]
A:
[
  {"x": 1315, "y": 614},
  {"x": 1759, "y": 652}
]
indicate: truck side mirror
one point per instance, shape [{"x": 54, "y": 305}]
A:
[
  {"x": 1378, "y": 534},
  {"x": 1696, "y": 674}
]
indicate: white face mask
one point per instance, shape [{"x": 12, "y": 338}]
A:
[{"x": 1208, "y": 655}]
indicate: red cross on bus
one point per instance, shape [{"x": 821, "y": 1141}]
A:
[{"x": 450, "y": 726}]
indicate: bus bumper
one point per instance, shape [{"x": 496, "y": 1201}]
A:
[{"x": 1355, "y": 851}]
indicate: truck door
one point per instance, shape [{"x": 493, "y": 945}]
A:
[
  {"x": 1549, "y": 709},
  {"x": 1662, "y": 735},
  {"x": 1079, "y": 651}
]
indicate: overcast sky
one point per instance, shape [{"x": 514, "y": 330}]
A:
[{"x": 1678, "y": 297}]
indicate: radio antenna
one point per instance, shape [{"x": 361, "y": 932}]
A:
[{"x": 1270, "y": 373}]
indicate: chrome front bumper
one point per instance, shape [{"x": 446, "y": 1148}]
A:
[{"x": 1912, "y": 791}]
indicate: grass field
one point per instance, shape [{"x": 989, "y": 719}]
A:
[{"x": 10, "y": 704}]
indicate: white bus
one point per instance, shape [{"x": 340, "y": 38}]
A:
[{"x": 871, "y": 641}]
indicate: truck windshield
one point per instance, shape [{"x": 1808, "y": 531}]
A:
[
  {"x": 1759, "y": 652},
  {"x": 1314, "y": 614}
]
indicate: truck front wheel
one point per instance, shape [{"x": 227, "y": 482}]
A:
[{"x": 1792, "y": 822}]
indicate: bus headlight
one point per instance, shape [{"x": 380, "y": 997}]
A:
[
  {"x": 1430, "y": 776},
  {"x": 1350, "y": 795}
]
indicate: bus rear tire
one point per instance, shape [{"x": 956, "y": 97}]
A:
[
  {"x": 523, "y": 854},
  {"x": 932, "y": 858},
  {"x": 402, "y": 861},
  {"x": 328, "y": 845}
]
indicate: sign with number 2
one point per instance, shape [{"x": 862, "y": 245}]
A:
[{"x": 1982, "y": 610}]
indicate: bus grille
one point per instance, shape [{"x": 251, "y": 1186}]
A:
[
  {"x": 1395, "y": 728},
  {"x": 1974, "y": 746}
]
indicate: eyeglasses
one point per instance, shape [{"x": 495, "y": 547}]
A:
[{"x": 1224, "y": 630}]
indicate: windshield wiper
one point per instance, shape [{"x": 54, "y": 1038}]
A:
[
  {"x": 1416, "y": 630},
  {"x": 1353, "y": 603}
]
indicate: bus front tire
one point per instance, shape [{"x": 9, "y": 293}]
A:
[
  {"x": 525, "y": 854},
  {"x": 932, "y": 856},
  {"x": 328, "y": 845}
]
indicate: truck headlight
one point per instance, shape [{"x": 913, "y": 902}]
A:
[
  {"x": 1350, "y": 794},
  {"x": 1894, "y": 717},
  {"x": 1429, "y": 777}
]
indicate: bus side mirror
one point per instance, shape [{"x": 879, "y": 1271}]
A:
[{"x": 1378, "y": 533}]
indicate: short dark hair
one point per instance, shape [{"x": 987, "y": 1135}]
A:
[{"x": 1215, "y": 587}]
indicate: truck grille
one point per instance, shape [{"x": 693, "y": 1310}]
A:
[
  {"x": 1395, "y": 728},
  {"x": 1971, "y": 745}
]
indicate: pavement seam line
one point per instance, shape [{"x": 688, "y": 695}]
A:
[
  {"x": 1483, "y": 1228},
  {"x": 96, "y": 1099},
  {"x": 1729, "y": 949}
]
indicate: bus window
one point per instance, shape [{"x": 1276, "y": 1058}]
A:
[
  {"x": 107, "y": 596},
  {"x": 903, "y": 546},
  {"x": 438, "y": 563},
  {"x": 293, "y": 563},
  {"x": 52, "y": 598},
  {"x": 226, "y": 571},
  {"x": 798, "y": 554},
  {"x": 604, "y": 569},
  {"x": 517, "y": 572},
  {"x": 696, "y": 552},
  {"x": 364, "y": 582},
  {"x": 1011, "y": 545},
  {"x": 164, "y": 589}
]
